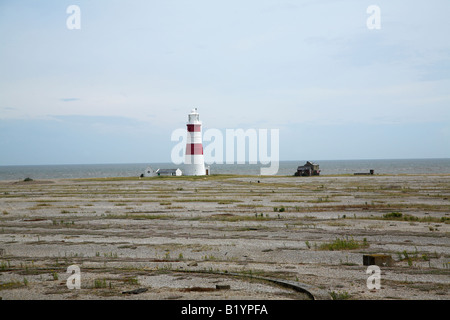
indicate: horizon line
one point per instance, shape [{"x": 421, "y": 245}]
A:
[{"x": 153, "y": 162}]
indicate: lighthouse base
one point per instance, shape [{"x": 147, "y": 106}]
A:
[
  {"x": 194, "y": 171},
  {"x": 194, "y": 165}
]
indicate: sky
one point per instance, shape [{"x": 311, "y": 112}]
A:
[{"x": 114, "y": 90}]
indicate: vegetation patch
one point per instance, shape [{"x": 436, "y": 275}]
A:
[
  {"x": 344, "y": 244},
  {"x": 340, "y": 295},
  {"x": 398, "y": 216},
  {"x": 12, "y": 285}
]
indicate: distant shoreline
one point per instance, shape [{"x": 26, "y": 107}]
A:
[
  {"x": 216, "y": 177},
  {"x": 286, "y": 168}
]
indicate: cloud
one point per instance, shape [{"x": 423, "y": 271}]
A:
[{"x": 69, "y": 99}]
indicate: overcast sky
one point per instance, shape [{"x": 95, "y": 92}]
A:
[{"x": 114, "y": 90}]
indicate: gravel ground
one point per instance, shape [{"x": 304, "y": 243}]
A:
[{"x": 180, "y": 237}]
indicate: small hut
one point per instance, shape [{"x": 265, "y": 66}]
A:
[
  {"x": 149, "y": 172},
  {"x": 308, "y": 169}
]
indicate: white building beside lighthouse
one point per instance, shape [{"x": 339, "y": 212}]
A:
[{"x": 194, "y": 159}]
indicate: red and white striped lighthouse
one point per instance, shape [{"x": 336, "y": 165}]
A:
[{"x": 194, "y": 159}]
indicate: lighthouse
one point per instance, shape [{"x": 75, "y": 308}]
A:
[{"x": 194, "y": 160}]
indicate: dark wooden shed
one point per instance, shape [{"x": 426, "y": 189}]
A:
[{"x": 308, "y": 169}]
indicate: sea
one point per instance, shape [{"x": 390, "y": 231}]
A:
[{"x": 286, "y": 168}]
